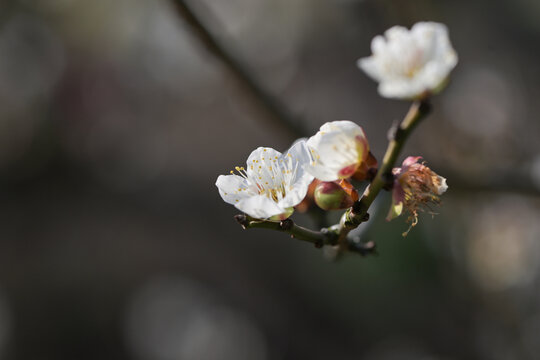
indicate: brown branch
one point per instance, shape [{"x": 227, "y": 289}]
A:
[{"x": 318, "y": 238}]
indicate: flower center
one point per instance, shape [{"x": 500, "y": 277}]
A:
[
  {"x": 413, "y": 64},
  {"x": 269, "y": 176}
]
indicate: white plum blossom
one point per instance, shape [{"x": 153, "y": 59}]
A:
[
  {"x": 270, "y": 184},
  {"x": 410, "y": 64},
  {"x": 338, "y": 149}
]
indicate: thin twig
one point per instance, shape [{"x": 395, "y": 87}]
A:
[{"x": 318, "y": 238}]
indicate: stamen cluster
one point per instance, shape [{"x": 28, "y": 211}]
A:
[{"x": 270, "y": 184}]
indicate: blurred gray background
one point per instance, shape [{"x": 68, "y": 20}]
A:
[{"x": 115, "y": 121}]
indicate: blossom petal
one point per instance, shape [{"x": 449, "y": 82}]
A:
[
  {"x": 328, "y": 160},
  {"x": 371, "y": 67},
  {"x": 262, "y": 158},
  {"x": 300, "y": 183},
  {"x": 300, "y": 152},
  {"x": 323, "y": 173},
  {"x": 344, "y": 126},
  {"x": 409, "y": 161},
  {"x": 396, "y": 33},
  {"x": 232, "y": 188},
  {"x": 398, "y": 197},
  {"x": 401, "y": 89},
  {"x": 442, "y": 185},
  {"x": 260, "y": 207},
  {"x": 297, "y": 193}
]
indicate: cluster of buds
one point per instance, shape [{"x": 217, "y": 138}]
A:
[{"x": 321, "y": 170}]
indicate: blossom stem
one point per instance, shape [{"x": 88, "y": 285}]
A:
[{"x": 358, "y": 213}]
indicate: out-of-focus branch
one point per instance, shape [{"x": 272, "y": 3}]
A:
[{"x": 278, "y": 113}]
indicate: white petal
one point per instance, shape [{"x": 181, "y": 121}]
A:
[
  {"x": 371, "y": 67},
  {"x": 378, "y": 45},
  {"x": 323, "y": 173},
  {"x": 326, "y": 149},
  {"x": 260, "y": 207},
  {"x": 400, "y": 89},
  {"x": 344, "y": 126},
  {"x": 298, "y": 189},
  {"x": 297, "y": 194},
  {"x": 262, "y": 157},
  {"x": 443, "y": 186},
  {"x": 432, "y": 75},
  {"x": 262, "y": 152},
  {"x": 396, "y": 33},
  {"x": 229, "y": 185},
  {"x": 300, "y": 152}
]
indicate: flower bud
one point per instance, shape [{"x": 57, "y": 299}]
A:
[{"x": 335, "y": 195}]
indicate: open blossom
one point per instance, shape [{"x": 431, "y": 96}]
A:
[
  {"x": 338, "y": 150},
  {"x": 270, "y": 184},
  {"x": 410, "y": 64},
  {"x": 416, "y": 187}
]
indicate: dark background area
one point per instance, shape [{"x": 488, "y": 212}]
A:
[{"x": 115, "y": 122}]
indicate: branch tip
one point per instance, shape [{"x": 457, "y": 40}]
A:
[{"x": 242, "y": 220}]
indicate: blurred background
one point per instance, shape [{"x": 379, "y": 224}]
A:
[{"x": 116, "y": 119}]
